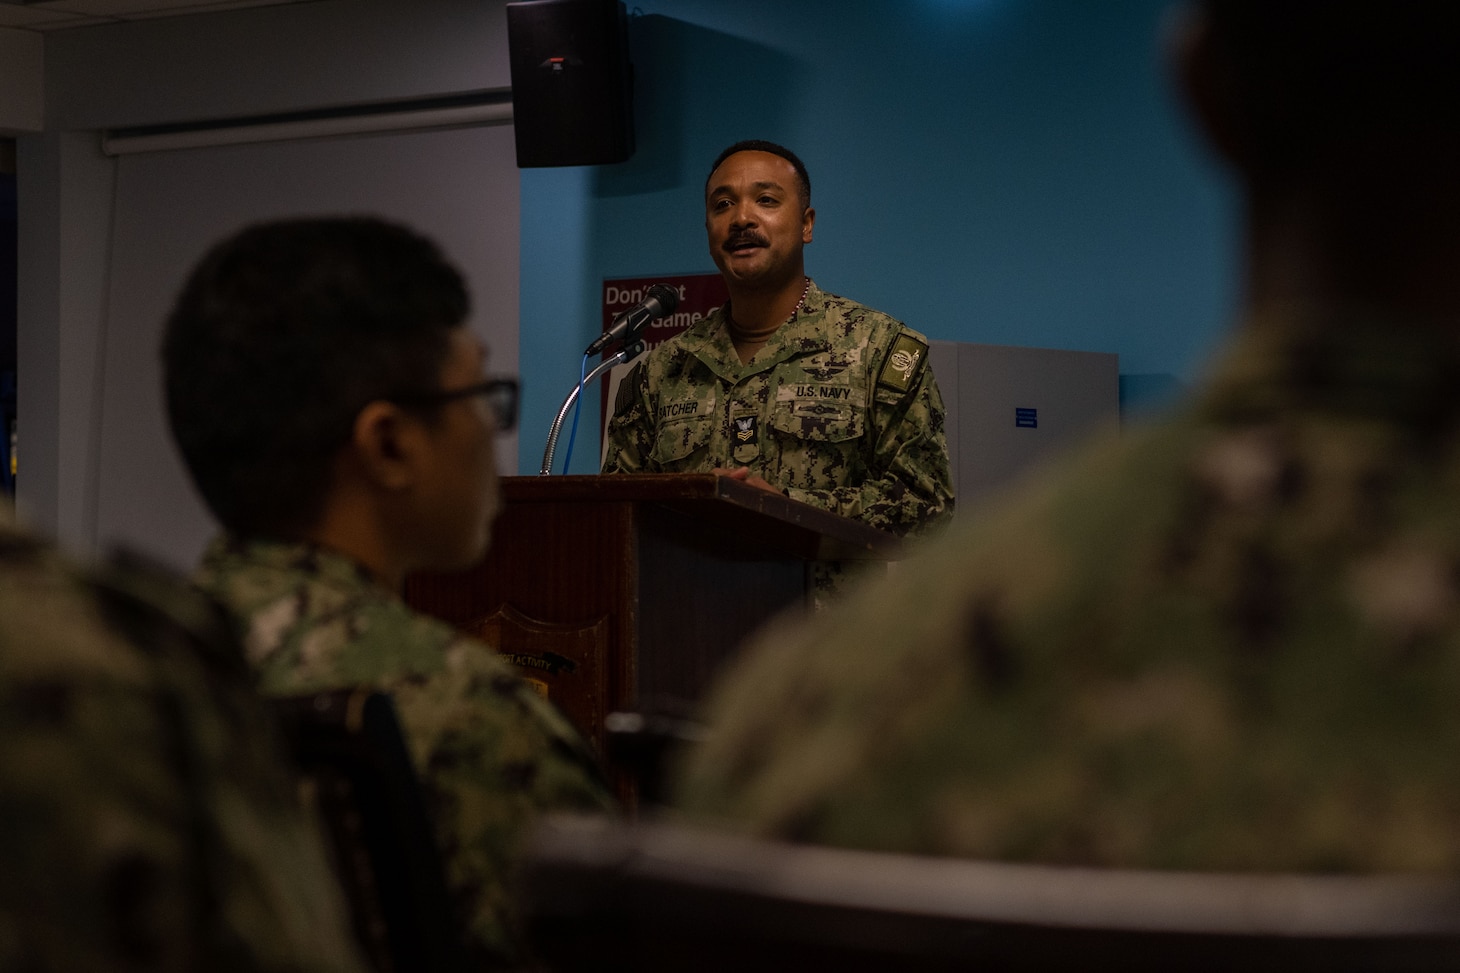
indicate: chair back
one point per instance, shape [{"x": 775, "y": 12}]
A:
[
  {"x": 650, "y": 896},
  {"x": 357, "y": 772}
]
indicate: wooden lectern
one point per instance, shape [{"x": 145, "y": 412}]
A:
[{"x": 627, "y": 592}]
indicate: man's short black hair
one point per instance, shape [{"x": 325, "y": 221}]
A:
[
  {"x": 761, "y": 145},
  {"x": 1320, "y": 77},
  {"x": 280, "y": 336}
]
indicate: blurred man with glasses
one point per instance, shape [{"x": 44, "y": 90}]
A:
[{"x": 335, "y": 413}]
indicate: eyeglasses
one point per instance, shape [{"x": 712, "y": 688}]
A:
[{"x": 500, "y": 393}]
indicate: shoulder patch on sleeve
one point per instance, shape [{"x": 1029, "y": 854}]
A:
[
  {"x": 627, "y": 389},
  {"x": 904, "y": 362}
]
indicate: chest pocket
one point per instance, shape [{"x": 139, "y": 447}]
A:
[
  {"x": 820, "y": 412},
  {"x": 680, "y": 444}
]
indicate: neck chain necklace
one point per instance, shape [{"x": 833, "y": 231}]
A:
[
  {"x": 743, "y": 337},
  {"x": 805, "y": 289}
]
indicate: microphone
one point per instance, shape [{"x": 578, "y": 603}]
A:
[{"x": 661, "y": 302}]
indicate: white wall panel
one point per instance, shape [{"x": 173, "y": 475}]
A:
[{"x": 458, "y": 187}]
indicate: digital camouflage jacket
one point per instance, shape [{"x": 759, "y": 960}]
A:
[
  {"x": 1227, "y": 642},
  {"x": 148, "y": 817},
  {"x": 491, "y": 753},
  {"x": 839, "y": 410}
]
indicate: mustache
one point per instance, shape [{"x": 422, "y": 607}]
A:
[{"x": 742, "y": 238}]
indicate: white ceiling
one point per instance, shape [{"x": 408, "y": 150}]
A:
[{"x": 58, "y": 14}]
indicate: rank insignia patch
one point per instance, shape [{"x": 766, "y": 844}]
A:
[
  {"x": 903, "y": 363},
  {"x": 745, "y": 438}
]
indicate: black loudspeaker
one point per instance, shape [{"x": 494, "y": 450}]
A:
[{"x": 572, "y": 82}]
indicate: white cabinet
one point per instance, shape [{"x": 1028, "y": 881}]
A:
[{"x": 1009, "y": 407}]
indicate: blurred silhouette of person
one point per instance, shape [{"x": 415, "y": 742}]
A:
[{"x": 150, "y": 819}]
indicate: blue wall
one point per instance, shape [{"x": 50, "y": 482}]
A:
[{"x": 1003, "y": 171}]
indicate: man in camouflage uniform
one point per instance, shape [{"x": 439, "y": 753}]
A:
[
  {"x": 794, "y": 390},
  {"x": 149, "y": 822},
  {"x": 332, "y": 410},
  {"x": 1229, "y": 642}
]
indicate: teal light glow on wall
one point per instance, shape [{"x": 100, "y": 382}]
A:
[{"x": 1001, "y": 171}]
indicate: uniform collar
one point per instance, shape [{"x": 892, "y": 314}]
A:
[
  {"x": 229, "y": 553},
  {"x": 803, "y": 334}
]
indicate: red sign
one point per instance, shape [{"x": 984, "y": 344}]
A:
[{"x": 699, "y": 294}]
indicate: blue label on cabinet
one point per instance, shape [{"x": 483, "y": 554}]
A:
[{"x": 1026, "y": 418}]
